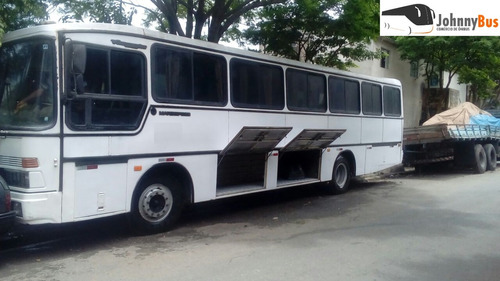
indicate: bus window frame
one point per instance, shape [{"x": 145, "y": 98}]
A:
[
  {"x": 88, "y": 98},
  {"x": 191, "y": 53}
]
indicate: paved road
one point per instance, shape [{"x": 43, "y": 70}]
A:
[{"x": 440, "y": 226}]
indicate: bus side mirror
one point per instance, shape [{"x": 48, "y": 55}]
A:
[
  {"x": 76, "y": 59},
  {"x": 79, "y": 59}
]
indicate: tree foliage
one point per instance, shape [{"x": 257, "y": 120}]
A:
[
  {"x": 327, "y": 32},
  {"x": 483, "y": 70},
  {"x": 438, "y": 54},
  {"x": 16, "y": 14},
  {"x": 216, "y": 15},
  {"x": 106, "y": 11},
  {"x": 476, "y": 60}
]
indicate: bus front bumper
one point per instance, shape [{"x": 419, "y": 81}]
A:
[{"x": 37, "y": 208}]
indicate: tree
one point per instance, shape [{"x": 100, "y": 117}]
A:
[
  {"x": 106, "y": 11},
  {"x": 217, "y": 15},
  {"x": 482, "y": 72},
  {"x": 475, "y": 59},
  {"x": 438, "y": 54},
  {"x": 17, "y": 14},
  {"x": 327, "y": 32}
]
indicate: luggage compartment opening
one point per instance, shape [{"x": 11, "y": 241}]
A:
[
  {"x": 296, "y": 166},
  {"x": 240, "y": 173}
]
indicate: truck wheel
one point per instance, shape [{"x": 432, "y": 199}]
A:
[
  {"x": 480, "y": 159},
  {"x": 341, "y": 177},
  {"x": 491, "y": 157},
  {"x": 156, "y": 205}
]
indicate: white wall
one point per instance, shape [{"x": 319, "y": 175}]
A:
[{"x": 412, "y": 87}]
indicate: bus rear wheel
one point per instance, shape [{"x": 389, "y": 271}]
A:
[
  {"x": 156, "y": 205},
  {"x": 341, "y": 176}
]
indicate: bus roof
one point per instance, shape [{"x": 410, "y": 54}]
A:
[{"x": 53, "y": 29}]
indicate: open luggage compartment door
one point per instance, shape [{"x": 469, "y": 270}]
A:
[
  {"x": 255, "y": 140},
  {"x": 310, "y": 139}
]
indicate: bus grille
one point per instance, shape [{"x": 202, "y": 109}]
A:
[{"x": 11, "y": 161}]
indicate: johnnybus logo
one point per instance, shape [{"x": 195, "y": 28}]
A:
[{"x": 437, "y": 19}]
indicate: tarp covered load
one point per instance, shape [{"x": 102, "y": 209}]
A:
[
  {"x": 483, "y": 119},
  {"x": 461, "y": 114}
]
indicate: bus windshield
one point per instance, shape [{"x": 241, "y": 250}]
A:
[{"x": 27, "y": 85}]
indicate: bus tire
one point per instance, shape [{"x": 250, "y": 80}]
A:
[
  {"x": 491, "y": 157},
  {"x": 341, "y": 176},
  {"x": 480, "y": 159},
  {"x": 156, "y": 205}
]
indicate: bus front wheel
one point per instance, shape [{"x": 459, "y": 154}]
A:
[
  {"x": 341, "y": 176},
  {"x": 156, "y": 205}
]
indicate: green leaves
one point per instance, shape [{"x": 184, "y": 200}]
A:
[
  {"x": 17, "y": 14},
  {"x": 476, "y": 60},
  {"x": 106, "y": 11},
  {"x": 190, "y": 17},
  {"x": 328, "y": 32}
]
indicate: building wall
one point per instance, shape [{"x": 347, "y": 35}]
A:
[{"x": 412, "y": 87}]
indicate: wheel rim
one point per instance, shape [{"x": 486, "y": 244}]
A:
[
  {"x": 155, "y": 203},
  {"x": 341, "y": 175}
]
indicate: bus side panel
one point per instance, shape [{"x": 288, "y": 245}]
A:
[
  {"x": 68, "y": 194},
  {"x": 393, "y": 130},
  {"x": 330, "y": 155},
  {"x": 201, "y": 169},
  {"x": 176, "y": 130},
  {"x": 382, "y": 157},
  {"x": 93, "y": 190},
  {"x": 238, "y": 120},
  {"x": 352, "y": 125},
  {"x": 372, "y": 130},
  {"x": 100, "y": 189},
  {"x": 83, "y": 146},
  {"x": 301, "y": 122}
]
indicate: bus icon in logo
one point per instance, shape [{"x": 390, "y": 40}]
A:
[{"x": 420, "y": 16}]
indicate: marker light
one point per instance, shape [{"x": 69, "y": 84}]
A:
[{"x": 30, "y": 162}]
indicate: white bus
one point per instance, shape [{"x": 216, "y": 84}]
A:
[{"x": 99, "y": 120}]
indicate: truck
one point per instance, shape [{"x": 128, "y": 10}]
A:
[{"x": 465, "y": 145}]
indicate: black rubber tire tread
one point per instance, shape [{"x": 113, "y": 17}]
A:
[
  {"x": 333, "y": 187},
  {"x": 480, "y": 161},
  {"x": 141, "y": 226},
  {"x": 491, "y": 157}
]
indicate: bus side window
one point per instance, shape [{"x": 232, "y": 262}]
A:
[
  {"x": 114, "y": 93},
  {"x": 188, "y": 77},
  {"x": 372, "y": 99},
  {"x": 392, "y": 101},
  {"x": 305, "y": 91},
  {"x": 344, "y": 95},
  {"x": 256, "y": 85},
  {"x": 95, "y": 77}
]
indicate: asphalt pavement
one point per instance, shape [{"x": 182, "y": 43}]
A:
[{"x": 441, "y": 225}]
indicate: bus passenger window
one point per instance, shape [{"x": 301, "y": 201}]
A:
[
  {"x": 305, "y": 91},
  {"x": 344, "y": 95},
  {"x": 372, "y": 99},
  {"x": 392, "y": 101},
  {"x": 187, "y": 77},
  {"x": 210, "y": 79},
  {"x": 256, "y": 85}
]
